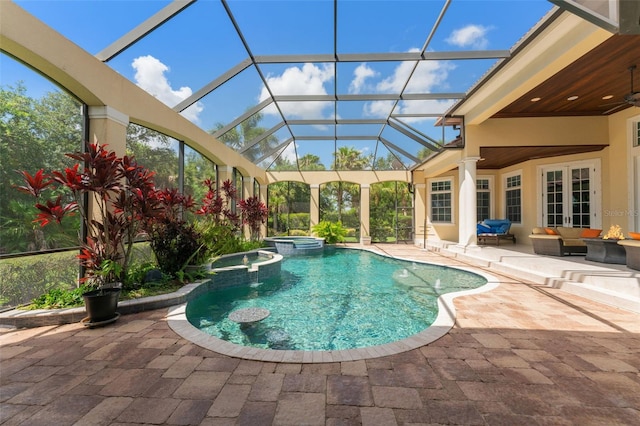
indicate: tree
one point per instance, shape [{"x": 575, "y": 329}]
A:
[
  {"x": 34, "y": 134},
  {"x": 349, "y": 158},
  {"x": 310, "y": 162},
  {"x": 249, "y": 129},
  {"x": 154, "y": 151},
  {"x": 390, "y": 210}
]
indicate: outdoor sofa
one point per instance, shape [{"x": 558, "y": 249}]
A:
[{"x": 561, "y": 241}]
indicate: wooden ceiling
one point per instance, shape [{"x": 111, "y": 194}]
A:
[
  {"x": 601, "y": 72},
  {"x": 498, "y": 157}
]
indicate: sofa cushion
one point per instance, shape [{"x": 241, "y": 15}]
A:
[{"x": 569, "y": 233}]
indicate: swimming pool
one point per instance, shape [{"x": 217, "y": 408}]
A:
[{"x": 339, "y": 300}]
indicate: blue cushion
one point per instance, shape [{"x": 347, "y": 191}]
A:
[
  {"x": 496, "y": 222},
  {"x": 494, "y": 226},
  {"x": 482, "y": 229},
  {"x": 503, "y": 229}
]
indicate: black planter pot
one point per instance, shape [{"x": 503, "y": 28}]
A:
[{"x": 101, "y": 305}]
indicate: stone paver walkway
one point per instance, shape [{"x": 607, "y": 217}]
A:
[{"x": 519, "y": 355}]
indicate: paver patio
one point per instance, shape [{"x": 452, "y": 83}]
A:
[{"x": 520, "y": 354}]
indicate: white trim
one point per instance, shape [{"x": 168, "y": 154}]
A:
[
  {"x": 633, "y": 167},
  {"x": 109, "y": 113},
  {"x": 491, "y": 191},
  {"x": 504, "y": 178},
  {"x": 595, "y": 187},
  {"x": 452, "y": 182}
]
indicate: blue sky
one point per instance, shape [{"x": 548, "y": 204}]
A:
[{"x": 200, "y": 44}]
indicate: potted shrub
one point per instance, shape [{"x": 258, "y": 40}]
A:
[
  {"x": 115, "y": 198},
  {"x": 101, "y": 303}
]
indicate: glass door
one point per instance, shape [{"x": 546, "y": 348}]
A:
[{"x": 567, "y": 197}]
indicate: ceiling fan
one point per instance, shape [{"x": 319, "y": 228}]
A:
[{"x": 632, "y": 98}]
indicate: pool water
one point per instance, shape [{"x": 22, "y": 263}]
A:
[{"x": 340, "y": 299}]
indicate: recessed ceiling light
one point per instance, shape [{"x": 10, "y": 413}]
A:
[
  {"x": 607, "y": 97},
  {"x": 535, "y": 99},
  {"x": 572, "y": 98}
]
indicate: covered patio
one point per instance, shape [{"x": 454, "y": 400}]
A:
[{"x": 524, "y": 353}]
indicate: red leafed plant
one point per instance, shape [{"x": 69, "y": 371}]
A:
[
  {"x": 254, "y": 214},
  {"x": 116, "y": 198}
]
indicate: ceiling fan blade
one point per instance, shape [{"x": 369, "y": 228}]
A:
[{"x": 615, "y": 108}]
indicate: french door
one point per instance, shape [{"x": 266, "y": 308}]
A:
[{"x": 569, "y": 195}]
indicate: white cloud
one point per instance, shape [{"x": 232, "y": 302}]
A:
[
  {"x": 428, "y": 77},
  {"x": 150, "y": 76},
  {"x": 308, "y": 80},
  {"x": 361, "y": 74},
  {"x": 289, "y": 153},
  {"x": 378, "y": 109},
  {"x": 474, "y": 36},
  {"x": 427, "y": 106}
]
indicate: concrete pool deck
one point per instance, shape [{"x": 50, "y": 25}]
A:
[{"x": 523, "y": 353}]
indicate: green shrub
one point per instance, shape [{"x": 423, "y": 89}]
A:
[
  {"x": 298, "y": 233},
  {"x": 381, "y": 233},
  {"x": 298, "y": 220},
  {"x": 332, "y": 232},
  {"x": 58, "y": 298},
  {"x": 24, "y": 278}
]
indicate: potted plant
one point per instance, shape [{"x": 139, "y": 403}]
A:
[
  {"x": 115, "y": 198},
  {"x": 101, "y": 303}
]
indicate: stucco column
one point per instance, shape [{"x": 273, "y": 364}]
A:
[
  {"x": 365, "y": 236},
  {"x": 467, "y": 211},
  {"x": 247, "y": 185},
  {"x": 224, "y": 173},
  {"x": 247, "y": 191},
  {"x": 263, "y": 194},
  {"x": 420, "y": 214},
  {"x": 108, "y": 126},
  {"x": 314, "y": 207}
]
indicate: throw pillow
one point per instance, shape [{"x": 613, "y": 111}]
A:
[
  {"x": 635, "y": 235},
  {"x": 550, "y": 231},
  {"x": 590, "y": 233}
]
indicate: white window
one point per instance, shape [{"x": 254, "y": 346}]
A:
[
  {"x": 441, "y": 208},
  {"x": 484, "y": 187},
  {"x": 513, "y": 197}
]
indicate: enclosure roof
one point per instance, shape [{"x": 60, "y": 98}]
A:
[{"x": 307, "y": 85}]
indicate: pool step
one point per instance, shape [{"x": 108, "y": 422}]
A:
[
  {"x": 308, "y": 245},
  {"x": 614, "y": 285}
]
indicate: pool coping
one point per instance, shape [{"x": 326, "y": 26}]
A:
[{"x": 177, "y": 320}]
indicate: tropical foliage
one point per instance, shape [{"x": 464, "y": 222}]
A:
[
  {"x": 288, "y": 207},
  {"x": 332, "y": 232},
  {"x": 34, "y": 134},
  {"x": 115, "y": 198}
]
